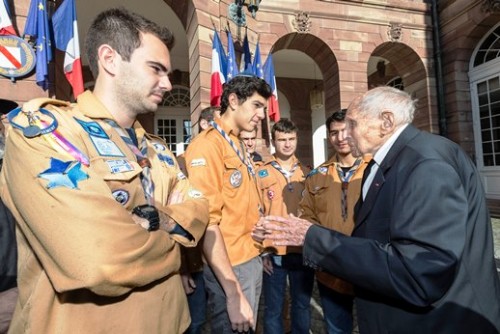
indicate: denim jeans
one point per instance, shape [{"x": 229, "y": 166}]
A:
[
  {"x": 337, "y": 310},
  {"x": 197, "y": 302},
  {"x": 301, "y": 285},
  {"x": 249, "y": 275}
]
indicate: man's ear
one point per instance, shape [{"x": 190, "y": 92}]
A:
[
  {"x": 107, "y": 58},
  {"x": 233, "y": 101},
  {"x": 388, "y": 124}
]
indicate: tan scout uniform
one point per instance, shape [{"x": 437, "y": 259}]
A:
[
  {"x": 281, "y": 198},
  {"x": 84, "y": 265},
  {"x": 322, "y": 205},
  {"x": 215, "y": 168}
]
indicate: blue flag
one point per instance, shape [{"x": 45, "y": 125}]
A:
[
  {"x": 257, "y": 63},
  {"x": 232, "y": 67},
  {"x": 246, "y": 57},
  {"x": 37, "y": 26}
]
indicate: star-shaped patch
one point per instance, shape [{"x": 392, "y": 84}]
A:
[{"x": 63, "y": 174}]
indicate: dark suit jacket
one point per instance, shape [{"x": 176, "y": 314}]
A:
[{"x": 421, "y": 255}]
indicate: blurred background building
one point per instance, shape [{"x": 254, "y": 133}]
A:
[{"x": 445, "y": 53}]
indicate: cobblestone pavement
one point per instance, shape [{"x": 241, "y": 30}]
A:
[{"x": 317, "y": 324}]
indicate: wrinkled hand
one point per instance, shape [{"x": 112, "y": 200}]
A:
[
  {"x": 258, "y": 232},
  {"x": 240, "y": 313},
  {"x": 289, "y": 231},
  {"x": 188, "y": 283},
  {"x": 267, "y": 265}
]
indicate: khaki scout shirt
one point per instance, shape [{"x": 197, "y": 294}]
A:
[
  {"x": 84, "y": 265},
  {"x": 322, "y": 205},
  {"x": 215, "y": 169},
  {"x": 281, "y": 198}
]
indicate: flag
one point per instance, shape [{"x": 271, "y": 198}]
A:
[
  {"x": 246, "y": 57},
  {"x": 273, "y": 108},
  {"x": 232, "y": 67},
  {"x": 37, "y": 26},
  {"x": 6, "y": 27},
  {"x": 257, "y": 63},
  {"x": 66, "y": 40},
  {"x": 218, "y": 78}
]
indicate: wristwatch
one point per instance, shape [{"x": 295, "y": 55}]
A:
[{"x": 149, "y": 213}]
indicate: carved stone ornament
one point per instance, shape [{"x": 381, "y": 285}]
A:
[
  {"x": 491, "y": 6},
  {"x": 301, "y": 23},
  {"x": 395, "y": 32}
]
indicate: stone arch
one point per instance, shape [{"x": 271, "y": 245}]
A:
[
  {"x": 297, "y": 92},
  {"x": 399, "y": 60}
]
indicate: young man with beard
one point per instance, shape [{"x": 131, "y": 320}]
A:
[
  {"x": 101, "y": 206},
  {"x": 332, "y": 191},
  {"x": 281, "y": 182},
  {"x": 219, "y": 166}
]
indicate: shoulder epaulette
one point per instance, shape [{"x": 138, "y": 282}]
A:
[{"x": 36, "y": 104}]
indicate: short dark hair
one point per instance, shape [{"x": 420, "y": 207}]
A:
[
  {"x": 122, "y": 30},
  {"x": 207, "y": 114},
  {"x": 283, "y": 125},
  {"x": 244, "y": 87},
  {"x": 338, "y": 116}
]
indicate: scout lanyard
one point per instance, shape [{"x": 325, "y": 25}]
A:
[
  {"x": 235, "y": 148},
  {"x": 287, "y": 174},
  {"x": 141, "y": 156},
  {"x": 37, "y": 127},
  {"x": 345, "y": 178}
]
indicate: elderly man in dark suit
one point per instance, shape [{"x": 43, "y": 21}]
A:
[{"x": 421, "y": 254}]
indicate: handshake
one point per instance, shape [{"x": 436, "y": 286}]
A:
[{"x": 281, "y": 231}]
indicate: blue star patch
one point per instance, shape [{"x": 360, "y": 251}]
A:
[{"x": 63, "y": 174}]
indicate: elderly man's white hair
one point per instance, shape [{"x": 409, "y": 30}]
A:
[{"x": 383, "y": 98}]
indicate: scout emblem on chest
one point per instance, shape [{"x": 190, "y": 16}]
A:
[
  {"x": 121, "y": 196},
  {"x": 235, "y": 179}
]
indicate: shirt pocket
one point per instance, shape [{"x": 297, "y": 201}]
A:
[
  {"x": 122, "y": 176},
  {"x": 270, "y": 189},
  {"x": 234, "y": 174}
]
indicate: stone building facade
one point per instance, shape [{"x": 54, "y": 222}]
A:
[{"x": 442, "y": 52}]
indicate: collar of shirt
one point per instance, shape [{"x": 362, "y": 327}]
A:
[{"x": 379, "y": 157}]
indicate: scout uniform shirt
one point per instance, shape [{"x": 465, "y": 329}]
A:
[
  {"x": 322, "y": 204},
  {"x": 281, "y": 195},
  {"x": 216, "y": 169},
  {"x": 84, "y": 265}
]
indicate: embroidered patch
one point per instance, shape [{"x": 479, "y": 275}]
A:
[
  {"x": 92, "y": 128},
  {"x": 235, "y": 179},
  {"x": 193, "y": 193},
  {"x": 121, "y": 196},
  {"x": 263, "y": 173},
  {"x": 270, "y": 194},
  {"x": 167, "y": 159},
  {"x": 63, "y": 174},
  {"x": 119, "y": 166},
  {"x": 198, "y": 162},
  {"x": 106, "y": 147},
  {"x": 181, "y": 176},
  {"x": 159, "y": 147}
]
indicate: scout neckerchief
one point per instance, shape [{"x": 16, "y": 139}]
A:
[
  {"x": 235, "y": 148},
  {"x": 345, "y": 178},
  {"x": 49, "y": 132},
  {"x": 141, "y": 156},
  {"x": 287, "y": 174}
]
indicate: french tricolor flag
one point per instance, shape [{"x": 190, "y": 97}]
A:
[
  {"x": 66, "y": 40},
  {"x": 6, "y": 27},
  {"x": 273, "y": 106},
  {"x": 219, "y": 63}
]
